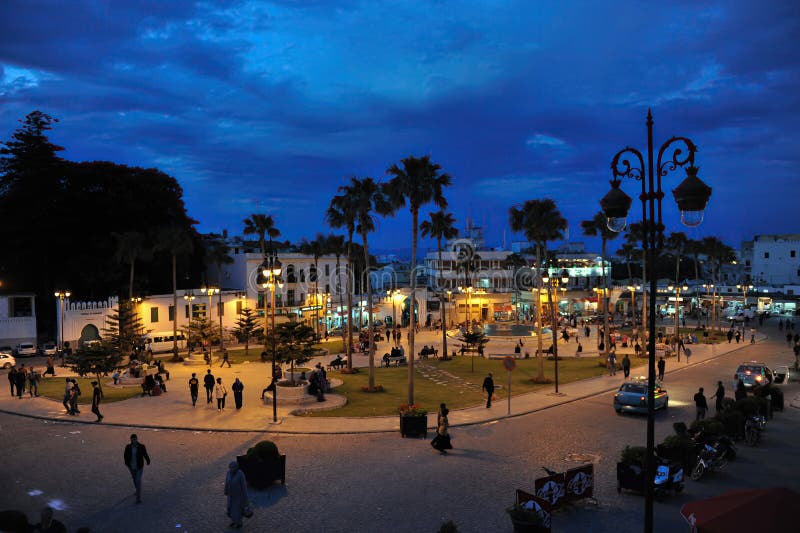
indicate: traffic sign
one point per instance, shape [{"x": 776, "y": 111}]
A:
[{"x": 509, "y": 363}]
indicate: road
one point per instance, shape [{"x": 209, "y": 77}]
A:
[{"x": 381, "y": 482}]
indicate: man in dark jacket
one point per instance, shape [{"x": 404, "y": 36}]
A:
[
  {"x": 488, "y": 386},
  {"x": 701, "y": 404},
  {"x": 135, "y": 455},
  {"x": 208, "y": 383},
  {"x": 96, "y": 397}
]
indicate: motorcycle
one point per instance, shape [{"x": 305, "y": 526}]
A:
[
  {"x": 753, "y": 427},
  {"x": 669, "y": 477},
  {"x": 709, "y": 459},
  {"x": 723, "y": 443}
]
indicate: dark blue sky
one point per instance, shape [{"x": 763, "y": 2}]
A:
[{"x": 270, "y": 106}]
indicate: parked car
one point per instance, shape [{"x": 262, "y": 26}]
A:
[
  {"x": 49, "y": 348},
  {"x": 7, "y": 349},
  {"x": 7, "y": 360},
  {"x": 632, "y": 396},
  {"x": 753, "y": 373},
  {"x": 782, "y": 374},
  {"x": 25, "y": 349}
]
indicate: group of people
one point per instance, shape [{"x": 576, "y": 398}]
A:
[
  {"x": 701, "y": 404},
  {"x": 428, "y": 350},
  {"x": 23, "y": 378},
  {"x": 216, "y": 390}
]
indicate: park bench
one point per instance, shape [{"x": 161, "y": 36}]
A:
[
  {"x": 504, "y": 355},
  {"x": 397, "y": 360},
  {"x": 434, "y": 353}
]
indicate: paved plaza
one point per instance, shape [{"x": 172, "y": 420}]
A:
[{"x": 367, "y": 478}]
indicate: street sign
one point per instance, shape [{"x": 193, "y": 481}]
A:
[{"x": 509, "y": 363}]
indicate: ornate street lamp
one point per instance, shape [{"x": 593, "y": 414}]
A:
[
  {"x": 692, "y": 197},
  {"x": 61, "y": 295},
  {"x": 270, "y": 275}
]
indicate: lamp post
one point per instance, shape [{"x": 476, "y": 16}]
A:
[
  {"x": 633, "y": 289},
  {"x": 450, "y": 304},
  {"x": 744, "y": 293},
  {"x": 270, "y": 273},
  {"x": 692, "y": 197},
  {"x": 211, "y": 291},
  {"x": 677, "y": 288},
  {"x": 61, "y": 295}
]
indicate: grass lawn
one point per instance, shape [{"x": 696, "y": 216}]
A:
[
  {"x": 452, "y": 382},
  {"x": 53, "y": 388}
]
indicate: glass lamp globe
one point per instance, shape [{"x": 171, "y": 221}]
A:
[
  {"x": 692, "y": 219},
  {"x": 617, "y": 224}
]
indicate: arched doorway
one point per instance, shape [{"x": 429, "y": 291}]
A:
[
  {"x": 89, "y": 333},
  {"x": 405, "y": 316}
]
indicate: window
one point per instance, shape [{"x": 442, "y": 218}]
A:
[
  {"x": 198, "y": 310},
  {"x": 312, "y": 273},
  {"x": 290, "y": 297},
  {"x": 187, "y": 311},
  {"x": 171, "y": 313},
  {"x": 328, "y": 269},
  {"x": 153, "y": 315},
  {"x": 792, "y": 253},
  {"x": 290, "y": 275},
  {"x": 238, "y": 307},
  {"x": 766, "y": 255},
  {"x": 302, "y": 275}
]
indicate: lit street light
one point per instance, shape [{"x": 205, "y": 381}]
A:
[
  {"x": 692, "y": 197},
  {"x": 270, "y": 275},
  {"x": 211, "y": 291},
  {"x": 61, "y": 295}
]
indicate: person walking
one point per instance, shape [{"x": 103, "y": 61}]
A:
[
  {"x": 135, "y": 456},
  {"x": 488, "y": 386},
  {"x": 67, "y": 396},
  {"x": 236, "y": 492},
  {"x": 612, "y": 363},
  {"x": 719, "y": 395},
  {"x": 33, "y": 383},
  {"x": 50, "y": 368},
  {"x": 193, "y": 388},
  {"x": 738, "y": 336},
  {"x": 388, "y": 335},
  {"x": 441, "y": 441},
  {"x": 21, "y": 377},
  {"x": 626, "y": 366},
  {"x": 208, "y": 383},
  {"x": 701, "y": 404},
  {"x": 12, "y": 379},
  {"x": 237, "y": 389},
  {"x": 73, "y": 399},
  {"x": 662, "y": 365},
  {"x": 729, "y": 335},
  {"x": 741, "y": 392},
  {"x": 225, "y": 359},
  {"x": 96, "y": 397},
  {"x": 220, "y": 392}
]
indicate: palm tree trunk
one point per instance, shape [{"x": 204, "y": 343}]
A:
[
  {"x": 349, "y": 285},
  {"x": 412, "y": 318},
  {"x": 539, "y": 352},
  {"x": 174, "y": 307},
  {"x": 441, "y": 299},
  {"x": 605, "y": 296},
  {"x": 369, "y": 315}
]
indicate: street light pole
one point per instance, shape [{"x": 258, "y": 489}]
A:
[
  {"x": 61, "y": 295},
  {"x": 692, "y": 197},
  {"x": 270, "y": 272}
]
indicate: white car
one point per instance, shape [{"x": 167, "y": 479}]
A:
[
  {"x": 7, "y": 350},
  {"x": 7, "y": 360},
  {"x": 25, "y": 349},
  {"x": 50, "y": 348}
]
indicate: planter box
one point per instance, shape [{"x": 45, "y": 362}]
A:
[
  {"x": 262, "y": 474},
  {"x": 414, "y": 426}
]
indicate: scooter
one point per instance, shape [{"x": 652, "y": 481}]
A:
[
  {"x": 753, "y": 427},
  {"x": 708, "y": 459},
  {"x": 669, "y": 476}
]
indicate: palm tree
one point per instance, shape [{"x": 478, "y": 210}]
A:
[
  {"x": 628, "y": 252},
  {"x": 540, "y": 221},
  {"x": 418, "y": 182},
  {"x": 342, "y": 214},
  {"x": 263, "y": 226},
  {"x": 695, "y": 248},
  {"x": 718, "y": 253},
  {"x": 598, "y": 226},
  {"x": 316, "y": 249},
  {"x": 369, "y": 198},
  {"x": 218, "y": 254},
  {"x": 130, "y": 247},
  {"x": 634, "y": 237},
  {"x": 440, "y": 226},
  {"x": 178, "y": 242}
]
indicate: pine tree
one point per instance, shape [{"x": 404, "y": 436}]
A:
[{"x": 247, "y": 327}]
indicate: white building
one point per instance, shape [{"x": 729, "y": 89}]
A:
[
  {"x": 773, "y": 259},
  {"x": 17, "y": 319}
]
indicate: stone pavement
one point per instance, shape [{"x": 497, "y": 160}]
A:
[{"x": 173, "y": 410}]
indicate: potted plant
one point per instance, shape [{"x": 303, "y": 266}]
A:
[
  {"x": 413, "y": 421},
  {"x": 526, "y": 519},
  {"x": 630, "y": 469},
  {"x": 262, "y": 465}
]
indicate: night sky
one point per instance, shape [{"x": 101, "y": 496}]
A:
[{"x": 267, "y": 107}]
